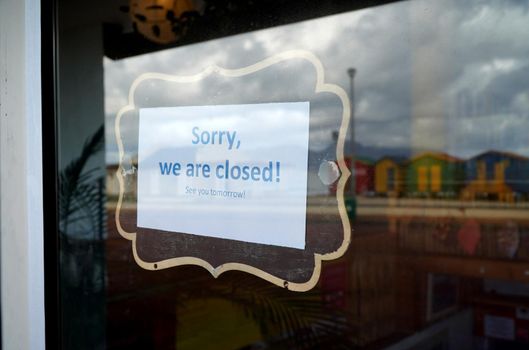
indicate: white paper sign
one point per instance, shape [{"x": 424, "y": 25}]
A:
[{"x": 230, "y": 171}]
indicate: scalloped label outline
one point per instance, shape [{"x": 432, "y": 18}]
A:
[{"x": 321, "y": 86}]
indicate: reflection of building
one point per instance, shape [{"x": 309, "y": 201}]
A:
[
  {"x": 436, "y": 174},
  {"x": 112, "y": 184},
  {"x": 495, "y": 174},
  {"x": 389, "y": 176},
  {"x": 364, "y": 176}
]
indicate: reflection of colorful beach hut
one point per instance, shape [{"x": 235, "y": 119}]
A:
[
  {"x": 364, "y": 176},
  {"x": 389, "y": 176},
  {"x": 497, "y": 175},
  {"x": 434, "y": 174}
]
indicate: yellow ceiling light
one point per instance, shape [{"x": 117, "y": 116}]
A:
[{"x": 161, "y": 21}]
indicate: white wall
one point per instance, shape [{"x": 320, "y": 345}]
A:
[{"x": 22, "y": 263}]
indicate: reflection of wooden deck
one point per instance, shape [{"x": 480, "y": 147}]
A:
[
  {"x": 385, "y": 287},
  {"x": 468, "y": 267},
  {"x": 476, "y": 213},
  {"x": 438, "y": 203},
  {"x": 430, "y": 208},
  {"x": 404, "y": 207}
]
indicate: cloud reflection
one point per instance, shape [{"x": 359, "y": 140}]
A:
[{"x": 454, "y": 79}]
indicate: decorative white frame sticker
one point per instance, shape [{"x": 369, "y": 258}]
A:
[{"x": 151, "y": 221}]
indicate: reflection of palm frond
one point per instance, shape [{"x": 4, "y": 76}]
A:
[
  {"x": 81, "y": 217},
  {"x": 79, "y": 190},
  {"x": 287, "y": 320},
  {"x": 300, "y": 321}
]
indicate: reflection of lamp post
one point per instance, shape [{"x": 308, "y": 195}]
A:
[{"x": 351, "y": 72}]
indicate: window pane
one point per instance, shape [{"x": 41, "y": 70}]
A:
[{"x": 204, "y": 157}]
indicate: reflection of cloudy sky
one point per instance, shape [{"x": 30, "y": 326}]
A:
[{"x": 450, "y": 76}]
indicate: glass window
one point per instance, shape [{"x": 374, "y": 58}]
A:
[{"x": 204, "y": 157}]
